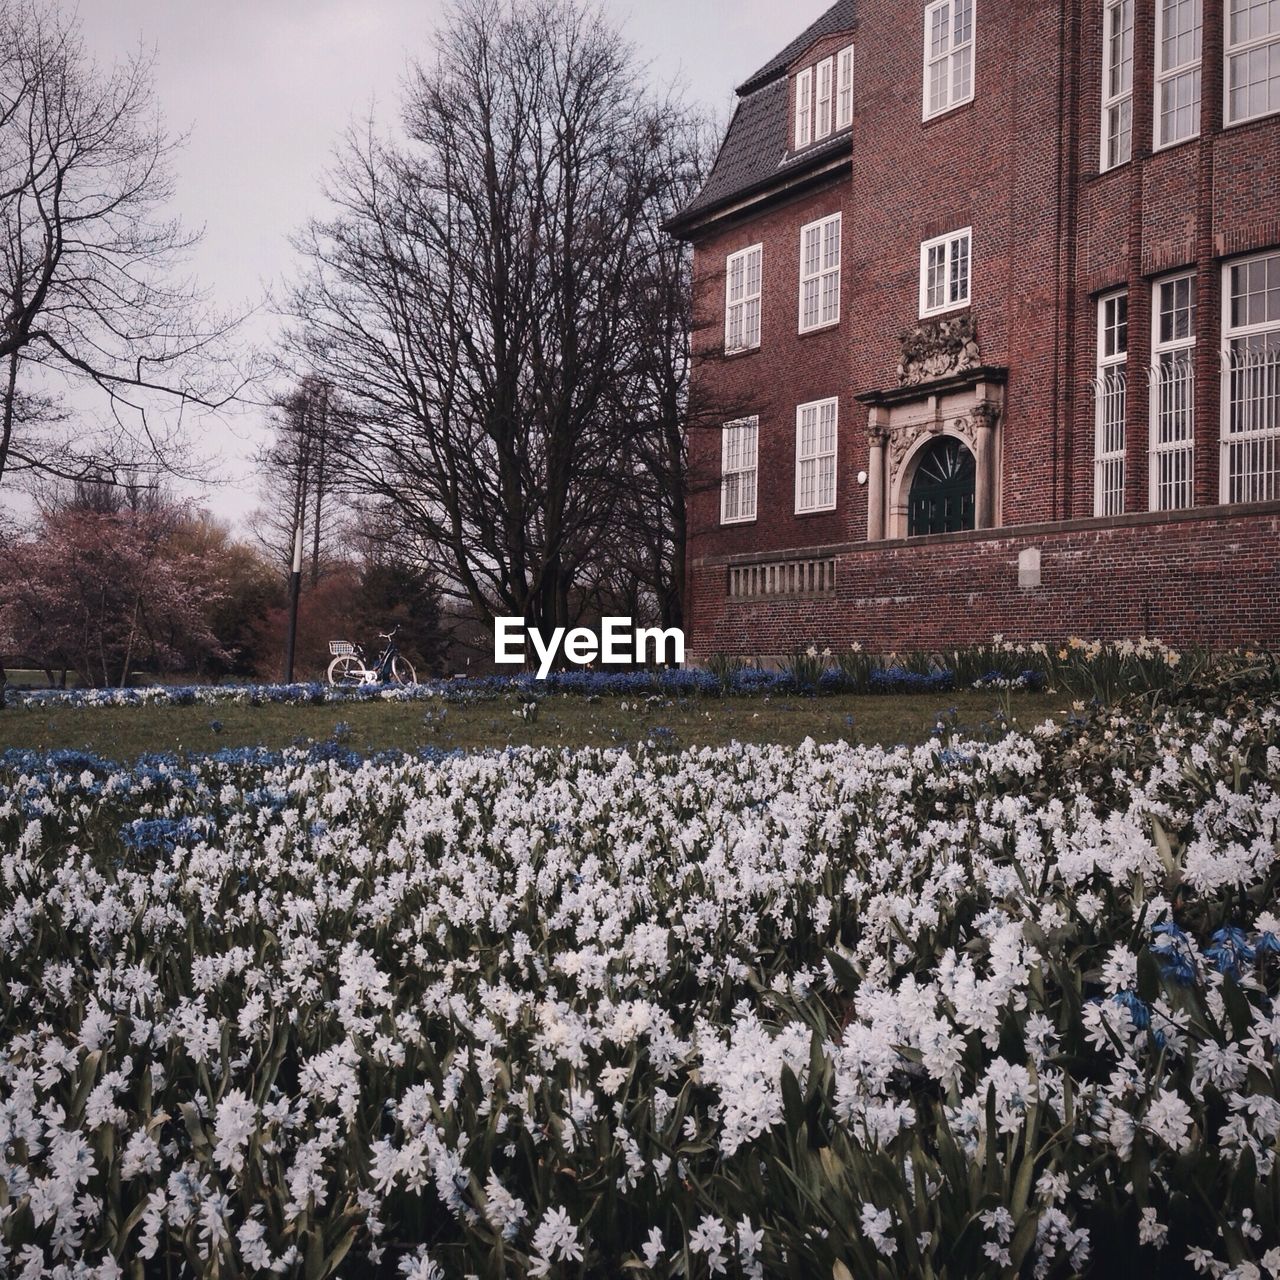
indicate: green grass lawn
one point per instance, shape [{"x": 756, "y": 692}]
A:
[{"x": 562, "y": 721}]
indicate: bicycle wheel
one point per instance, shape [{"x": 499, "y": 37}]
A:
[
  {"x": 402, "y": 671},
  {"x": 346, "y": 671}
]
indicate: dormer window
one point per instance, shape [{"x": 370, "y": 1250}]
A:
[
  {"x": 824, "y": 99},
  {"x": 804, "y": 108}
]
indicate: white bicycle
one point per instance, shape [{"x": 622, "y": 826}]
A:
[{"x": 348, "y": 669}]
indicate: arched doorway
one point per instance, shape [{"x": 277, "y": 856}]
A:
[{"x": 943, "y": 490}]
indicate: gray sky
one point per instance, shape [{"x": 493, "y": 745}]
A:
[{"x": 266, "y": 87}]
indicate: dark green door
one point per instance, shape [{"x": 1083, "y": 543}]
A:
[{"x": 942, "y": 494}]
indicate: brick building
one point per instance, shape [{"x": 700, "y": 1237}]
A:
[{"x": 991, "y": 296}]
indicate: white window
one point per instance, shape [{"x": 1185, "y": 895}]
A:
[
  {"x": 826, "y": 96},
  {"x": 1110, "y": 392},
  {"x": 738, "y": 471},
  {"x": 948, "y": 56},
  {"x": 844, "y": 88},
  {"x": 816, "y": 456},
  {"x": 1177, "y": 71},
  {"x": 1253, "y": 59},
  {"x": 1117, "y": 83},
  {"x": 945, "y": 266},
  {"x": 743, "y": 286},
  {"x": 804, "y": 109},
  {"x": 1173, "y": 393},
  {"x": 820, "y": 274},
  {"x": 1251, "y": 379}
]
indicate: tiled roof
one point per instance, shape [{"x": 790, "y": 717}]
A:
[
  {"x": 838, "y": 18},
  {"x": 756, "y": 149}
]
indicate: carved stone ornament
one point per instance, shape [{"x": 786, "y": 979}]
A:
[
  {"x": 905, "y": 439},
  {"x": 936, "y": 349}
]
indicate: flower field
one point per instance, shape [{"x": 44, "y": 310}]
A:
[{"x": 968, "y": 1009}]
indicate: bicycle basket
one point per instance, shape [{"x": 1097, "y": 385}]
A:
[{"x": 342, "y": 648}]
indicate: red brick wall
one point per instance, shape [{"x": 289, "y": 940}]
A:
[
  {"x": 788, "y": 369},
  {"x": 993, "y": 165},
  {"x": 1206, "y": 577},
  {"x": 1020, "y": 165}
]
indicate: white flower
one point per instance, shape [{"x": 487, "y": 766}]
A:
[
  {"x": 1151, "y": 1231},
  {"x": 554, "y": 1240},
  {"x": 236, "y": 1118},
  {"x": 876, "y": 1225},
  {"x": 141, "y": 1155},
  {"x": 653, "y": 1248},
  {"x": 710, "y": 1237},
  {"x": 1169, "y": 1119}
]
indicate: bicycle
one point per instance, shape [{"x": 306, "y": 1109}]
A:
[{"x": 348, "y": 669}]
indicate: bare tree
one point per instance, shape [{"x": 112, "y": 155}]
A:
[
  {"x": 89, "y": 283},
  {"x": 469, "y": 301},
  {"x": 299, "y": 478}
]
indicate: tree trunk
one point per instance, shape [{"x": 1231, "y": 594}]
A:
[{"x": 7, "y": 413}]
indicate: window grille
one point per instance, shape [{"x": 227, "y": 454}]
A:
[
  {"x": 1172, "y": 459},
  {"x": 1250, "y": 463},
  {"x": 1111, "y": 396},
  {"x": 1251, "y": 438}
]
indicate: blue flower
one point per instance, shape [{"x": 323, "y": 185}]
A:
[
  {"x": 1231, "y": 951},
  {"x": 1139, "y": 1010}
]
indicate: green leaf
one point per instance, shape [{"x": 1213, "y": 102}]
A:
[
  {"x": 1148, "y": 976},
  {"x": 846, "y": 975}
]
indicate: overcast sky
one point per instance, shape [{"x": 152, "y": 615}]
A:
[{"x": 266, "y": 87}]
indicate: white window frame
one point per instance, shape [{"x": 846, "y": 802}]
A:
[
  {"x": 952, "y": 55},
  {"x": 744, "y": 434},
  {"x": 1122, "y": 98},
  {"x": 1263, "y": 439},
  {"x": 844, "y": 88},
  {"x": 743, "y": 303},
  {"x": 1110, "y": 395},
  {"x": 826, "y": 279},
  {"x": 822, "y": 460},
  {"x": 804, "y": 109},
  {"x": 1171, "y": 455},
  {"x": 824, "y": 107},
  {"x": 948, "y": 245},
  {"x": 1171, "y": 75},
  {"x": 1241, "y": 49}
]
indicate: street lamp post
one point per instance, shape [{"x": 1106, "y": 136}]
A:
[{"x": 295, "y": 590}]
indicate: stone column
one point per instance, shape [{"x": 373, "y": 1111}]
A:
[
  {"x": 877, "y": 437},
  {"x": 984, "y": 422}
]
